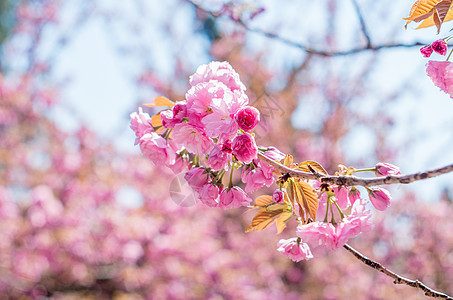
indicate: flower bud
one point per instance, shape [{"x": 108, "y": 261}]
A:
[
  {"x": 384, "y": 169},
  {"x": 278, "y": 196},
  {"x": 426, "y": 50},
  {"x": 380, "y": 198},
  {"x": 439, "y": 46},
  {"x": 247, "y": 118},
  {"x": 244, "y": 148}
]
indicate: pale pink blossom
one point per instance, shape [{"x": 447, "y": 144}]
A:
[
  {"x": 294, "y": 249},
  {"x": 439, "y": 46},
  {"x": 219, "y": 157},
  {"x": 441, "y": 73},
  {"x": 233, "y": 197},
  {"x": 156, "y": 149},
  {"x": 384, "y": 169},
  {"x": 256, "y": 177},
  {"x": 278, "y": 196},
  {"x": 196, "y": 178},
  {"x": 244, "y": 148},
  {"x": 200, "y": 96},
  {"x": 209, "y": 195},
  {"x": 380, "y": 198},
  {"x": 221, "y": 71},
  {"x": 247, "y": 118},
  {"x": 327, "y": 235},
  {"x": 274, "y": 153},
  {"x": 140, "y": 124},
  {"x": 426, "y": 51},
  {"x": 192, "y": 138},
  {"x": 342, "y": 195},
  {"x": 220, "y": 122}
]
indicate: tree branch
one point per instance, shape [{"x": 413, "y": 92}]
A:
[
  {"x": 274, "y": 36},
  {"x": 397, "y": 278},
  {"x": 350, "y": 180}
]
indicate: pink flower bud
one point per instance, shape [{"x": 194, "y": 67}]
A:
[
  {"x": 380, "y": 198},
  {"x": 244, "y": 148},
  {"x": 278, "y": 196},
  {"x": 440, "y": 46},
  {"x": 209, "y": 195},
  {"x": 426, "y": 50},
  {"x": 384, "y": 169},
  {"x": 247, "y": 118}
]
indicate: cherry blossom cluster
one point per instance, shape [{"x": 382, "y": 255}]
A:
[{"x": 210, "y": 133}]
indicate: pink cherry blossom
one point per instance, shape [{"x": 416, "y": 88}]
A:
[
  {"x": 278, "y": 196},
  {"x": 439, "y": 46},
  {"x": 247, "y": 118},
  {"x": 274, "y": 153},
  {"x": 384, "y": 169},
  {"x": 342, "y": 195},
  {"x": 196, "y": 178},
  {"x": 221, "y": 71},
  {"x": 192, "y": 138},
  {"x": 441, "y": 73},
  {"x": 426, "y": 50},
  {"x": 294, "y": 249},
  {"x": 380, "y": 198},
  {"x": 234, "y": 197},
  {"x": 209, "y": 195},
  {"x": 219, "y": 157},
  {"x": 256, "y": 177},
  {"x": 156, "y": 149},
  {"x": 244, "y": 148},
  {"x": 200, "y": 97},
  {"x": 140, "y": 124}
]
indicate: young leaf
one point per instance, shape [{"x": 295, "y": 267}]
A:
[
  {"x": 308, "y": 199},
  {"x": 156, "y": 121},
  {"x": 263, "y": 219},
  {"x": 428, "y": 22},
  {"x": 434, "y": 12},
  {"x": 263, "y": 201},
  {"x": 281, "y": 220},
  {"x": 161, "y": 101},
  {"x": 315, "y": 165}
]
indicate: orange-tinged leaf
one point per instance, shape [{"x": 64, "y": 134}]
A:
[
  {"x": 307, "y": 198},
  {"x": 315, "y": 165},
  {"x": 263, "y": 219},
  {"x": 431, "y": 12},
  {"x": 281, "y": 220},
  {"x": 428, "y": 22},
  {"x": 288, "y": 160},
  {"x": 161, "y": 101},
  {"x": 263, "y": 200},
  {"x": 156, "y": 121}
]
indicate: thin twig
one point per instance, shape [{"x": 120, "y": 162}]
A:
[
  {"x": 351, "y": 180},
  {"x": 397, "y": 278},
  {"x": 274, "y": 36},
  {"x": 362, "y": 23}
]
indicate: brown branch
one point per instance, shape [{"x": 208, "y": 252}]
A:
[
  {"x": 397, "y": 278},
  {"x": 274, "y": 36},
  {"x": 351, "y": 180}
]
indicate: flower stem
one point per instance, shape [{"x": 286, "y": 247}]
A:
[
  {"x": 230, "y": 185},
  {"x": 448, "y": 57}
]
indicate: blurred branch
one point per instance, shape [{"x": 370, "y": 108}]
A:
[
  {"x": 274, "y": 36},
  {"x": 350, "y": 180},
  {"x": 397, "y": 278},
  {"x": 362, "y": 23}
]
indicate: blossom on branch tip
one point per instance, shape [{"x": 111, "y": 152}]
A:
[
  {"x": 140, "y": 124},
  {"x": 156, "y": 149},
  {"x": 426, "y": 51},
  {"x": 294, "y": 249},
  {"x": 439, "y": 46},
  {"x": 220, "y": 71},
  {"x": 441, "y": 73},
  {"x": 384, "y": 169},
  {"x": 380, "y": 198}
]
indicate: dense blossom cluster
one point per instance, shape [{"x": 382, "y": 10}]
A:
[{"x": 211, "y": 133}]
